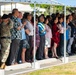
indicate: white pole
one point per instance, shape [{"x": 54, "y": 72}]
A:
[
  {"x": 4, "y": 9},
  {"x": 65, "y": 34},
  {"x": 50, "y": 6},
  {"x": 34, "y": 33},
  {"x": 35, "y": 65},
  {"x": 11, "y": 7},
  {"x": 15, "y": 5},
  {"x": 38, "y": 10},
  {"x": 0, "y": 10},
  {"x": 50, "y": 9}
]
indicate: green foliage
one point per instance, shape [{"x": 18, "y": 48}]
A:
[
  {"x": 59, "y": 8},
  {"x": 71, "y": 9},
  {"x": 40, "y": 5},
  {"x": 55, "y": 8}
]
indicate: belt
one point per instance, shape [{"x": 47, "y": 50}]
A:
[{"x": 5, "y": 37}]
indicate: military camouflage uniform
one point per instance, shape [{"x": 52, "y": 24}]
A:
[{"x": 5, "y": 37}]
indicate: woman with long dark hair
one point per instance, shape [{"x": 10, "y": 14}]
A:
[{"x": 56, "y": 37}]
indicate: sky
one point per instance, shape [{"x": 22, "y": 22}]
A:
[
  {"x": 71, "y": 3},
  {"x": 66, "y": 2}
]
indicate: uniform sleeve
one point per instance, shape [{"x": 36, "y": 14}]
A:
[
  {"x": 0, "y": 34},
  {"x": 11, "y": 24}
]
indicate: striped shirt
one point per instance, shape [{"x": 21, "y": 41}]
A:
[{"x": 41, "y": 29}]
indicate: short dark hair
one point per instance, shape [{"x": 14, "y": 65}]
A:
[
  {"x": 13, "y": 11},
  {"x": 40, "y": 17},
  {"x": 5, "y": 16},
  {"x": 23, "y": 20},
  {"x": 60, "y": 17},
  {"x": 48, "y": 16},
  {"x": 10, "y": 15},
  {"x": 33, "y": 19},
  {"x": 26, "y": 14},
  {"x": 45, "y": 19},
  {"x": 54, "y": 18}
]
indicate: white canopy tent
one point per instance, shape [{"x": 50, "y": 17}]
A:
[
  {"x": 51, "y": 2},
  {"x": 5, "y": 9},
  {"x": 71, "y": 3},
  {"x": 8, "y": 8},
  {"x": 4, "y": 2}
]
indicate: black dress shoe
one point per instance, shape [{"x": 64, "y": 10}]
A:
[
  {"x": 39, "y": 59},
  {"x": 30, "y": 61},
  {"x": 70, "y": 54}
]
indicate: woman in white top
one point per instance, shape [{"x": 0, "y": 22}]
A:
[{"x": 48, "y": 37}]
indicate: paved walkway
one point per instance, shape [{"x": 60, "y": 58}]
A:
[{"x": 43, "y": 64}]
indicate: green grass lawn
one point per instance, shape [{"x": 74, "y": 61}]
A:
[{"x": 67, "y": 69}]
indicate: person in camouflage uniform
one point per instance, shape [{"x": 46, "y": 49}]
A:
[
  {"x": 5, "y": 38},
  {"x": 0, "y": 41}
]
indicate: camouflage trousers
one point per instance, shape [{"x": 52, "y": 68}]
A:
[{"x": 5, "y": 49}]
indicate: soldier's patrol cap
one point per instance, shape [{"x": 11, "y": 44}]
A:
[{"x": 5, "y": 16}]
